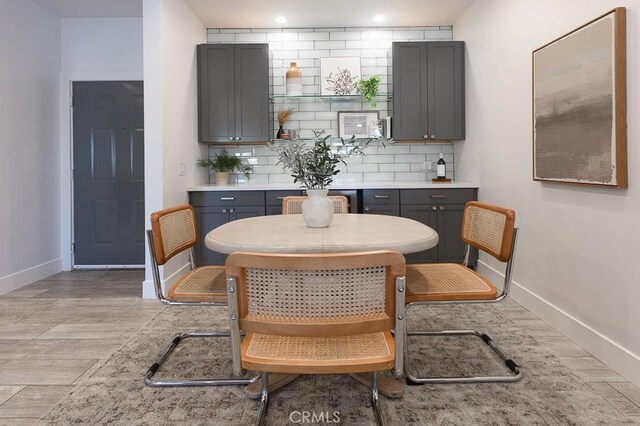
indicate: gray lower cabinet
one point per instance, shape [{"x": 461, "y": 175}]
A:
[
  {"x": 233, "y": 93},
  {"x": 381, "y": 201},
  {"x": 214, "y": 209},
  {"x": 441, "y": 210},
  {"x": 428, "y": 90}
]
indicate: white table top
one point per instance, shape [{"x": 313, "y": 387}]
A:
[
  {"x": 254, "y": 186},
  {"x": 347, "y": 233}
]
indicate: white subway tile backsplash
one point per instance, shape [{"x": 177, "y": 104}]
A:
[
  {"x": 251, "y": 37},
  {"x": 306, "y": 46},
  {"x": 335, "y": 44}
]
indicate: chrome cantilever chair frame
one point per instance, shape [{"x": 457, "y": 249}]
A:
[
  {"x": 148, "y": 377},
  {"x": 515, "y": 375}
]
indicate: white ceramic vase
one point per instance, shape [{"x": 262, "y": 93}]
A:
[{"x": 317, "y": 210}]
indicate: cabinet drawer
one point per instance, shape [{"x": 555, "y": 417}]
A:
[
  {"x": 274, "y": 198},
  {"x": 226, "y": 198},
  {"x": 380, "y": 196},
  {"x": 437, "y": 196}
]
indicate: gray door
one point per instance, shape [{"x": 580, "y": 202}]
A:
[{"x": 108, "y": 173}]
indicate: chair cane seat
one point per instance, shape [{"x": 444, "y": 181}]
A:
[
  {"x": 203, "y": 284},
  {"x": 446, "y": 281},
  {"x": 319, "y": 354}
]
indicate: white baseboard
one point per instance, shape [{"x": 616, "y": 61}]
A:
[
  {"x": 148, "y": 291},
  {"x": 616, "y": 357},
  {"x": 30, "y": 275}
]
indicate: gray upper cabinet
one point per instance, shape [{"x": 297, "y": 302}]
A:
[
  {"x": 428, "y": 90},
  {"x": 233, "y": 93}
]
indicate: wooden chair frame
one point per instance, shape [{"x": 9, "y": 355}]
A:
[
  {"x": 505, "y": 254},
  {"x": 394, "y": 262},
  {"x": 336, "y": 199},
  {"x": 159, "y": 257}
]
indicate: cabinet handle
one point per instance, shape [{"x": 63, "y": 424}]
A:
[
  {"x": 224, "y": 210},
  {"x": 441, "y": 208},
  {"x": 366, "y": 209},
  {"x": 232, "y": 138},
  {"x": 233, "y": 211},
  {"x": 434, "y": 208},
  {"x": 438, "y": 196},
  {"x": 425, "y": 136},
  {"x": 380, "y": 197},
  {"x": 238, "y": 138},
  {"x": 227, "y": 198},
  {"x": 433, "y": 136},
  {"x": 279, "y": 198}
]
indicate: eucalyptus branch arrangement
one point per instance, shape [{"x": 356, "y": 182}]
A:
[
  {"x": 315, "y": 165},
  {"x": 369, "y": 89}
]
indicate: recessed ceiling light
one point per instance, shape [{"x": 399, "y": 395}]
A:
[
  {"x": 281, "y": 20},
  {"x": 379, "y": 18}
]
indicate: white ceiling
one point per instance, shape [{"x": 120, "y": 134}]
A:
[{"x": 299, "y": 13}]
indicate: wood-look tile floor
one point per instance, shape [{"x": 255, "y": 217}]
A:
[{"x": 55, "y": 332}]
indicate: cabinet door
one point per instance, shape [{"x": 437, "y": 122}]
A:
[
  {"x": 389, "y": 210},
  {"x": 409, "y": 91},
  {"x": 252, "y": 93},
  {"x": 426, "y": 214},
  {"x": 450, "y": 246},
  {"x": 216, "y": 96},
  {"x": 243, "y": 212},
  {"x": 445, "y": 89},
  {"x": 208, "y": 218}
]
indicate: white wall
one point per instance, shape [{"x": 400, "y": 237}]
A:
[
  {"x": 29, "y": 164},
  {"x": 577, "y": 253},
  {"x": 92, "y": 49},
  {"x": 171, "y": 33}
]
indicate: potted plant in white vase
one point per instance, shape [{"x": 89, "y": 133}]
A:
[
  {"x": 223, "y": 164},
  {"x": 314, "y": 166}
]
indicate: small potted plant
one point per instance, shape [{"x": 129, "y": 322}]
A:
[
  {"x": 314, "y": 166},
  {"x": 369, "y": 89},
  {"x": 223, "y": 164}
]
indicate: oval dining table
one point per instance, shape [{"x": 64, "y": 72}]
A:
[{"x": 347, "y": 233}]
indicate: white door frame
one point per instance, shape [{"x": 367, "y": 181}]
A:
[{"x": 66, "y": 151}]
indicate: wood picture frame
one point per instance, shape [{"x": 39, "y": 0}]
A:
[
  {"x": 357, "y": 123},
  {"x": 579, "y": 106}
]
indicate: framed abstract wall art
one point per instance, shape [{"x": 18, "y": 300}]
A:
[{"x": 579, "y": 105}]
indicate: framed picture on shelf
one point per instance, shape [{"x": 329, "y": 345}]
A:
[
  {"x": 361, "y": 124},
  {"x": 339, "y": 76},
  {"x": 579, "y": 105}
]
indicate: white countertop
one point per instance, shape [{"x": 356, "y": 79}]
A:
[{"x": 347, "y": 185}]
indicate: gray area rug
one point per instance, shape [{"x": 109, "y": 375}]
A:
[{"x": 549, "y": 393}]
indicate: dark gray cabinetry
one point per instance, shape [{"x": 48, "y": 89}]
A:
[
  {"x": 428, "y": 90},
  {"x": 381, "y": 201},
  {"x": 233, "y": 93},
  {"x": 214, "y": 208},
  {"x": 441, "y": 210}
]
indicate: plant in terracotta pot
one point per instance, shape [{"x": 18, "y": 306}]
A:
[
  {"x": 313, "y": 166},
  {"x": 223, "y": 164}
]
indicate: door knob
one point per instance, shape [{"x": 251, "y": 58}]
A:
[
  {"x": 425, "y": 136},
  {"x": 232, "y": 211},
  {"x": 441, "y": 208},
  {"x": 433, "y": 136},
  {"x": 434, "y": 208},
  {"x": 232, "y": 138},
  {"x": 224, "y": 210},
  {"x": 238, "y": 138},
  {"x": 366, "y": 209}
]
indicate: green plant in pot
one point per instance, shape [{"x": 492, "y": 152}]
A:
[
  {"x": 222, "y": 164},
  {"x": 314, "y": 165},
  {"x": 369, "y": 89}
]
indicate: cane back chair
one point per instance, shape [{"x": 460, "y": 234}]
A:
[
  {"x": 293, "y": 204},
  {"x": 173, "y": 230},
  {"x": 317, "y": 314},
  {"x": 488, "y": 228}
]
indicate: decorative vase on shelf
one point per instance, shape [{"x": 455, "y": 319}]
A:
[
  {"x": 294, "y": 80},
  {"x": 280, "y": 133},
  {"x": 317, "y": 210}
]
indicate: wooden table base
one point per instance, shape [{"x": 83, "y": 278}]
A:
[{"x": 388, "y": 386}]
